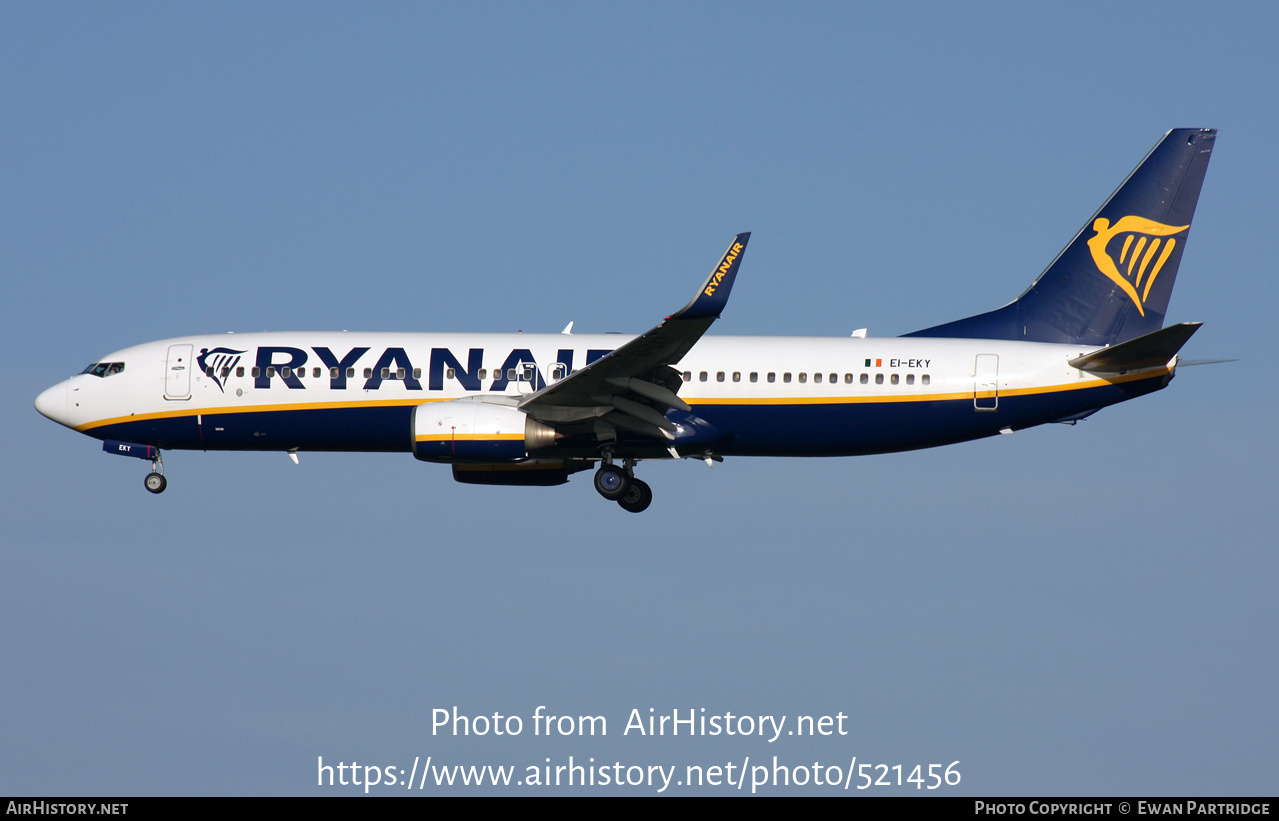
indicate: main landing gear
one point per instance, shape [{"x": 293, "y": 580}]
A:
[
  {"x": 155, "y": 481},
  {"x": 620, "y": 485}
]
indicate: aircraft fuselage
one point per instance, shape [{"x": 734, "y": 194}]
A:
[{"x": 765, "y": 396}]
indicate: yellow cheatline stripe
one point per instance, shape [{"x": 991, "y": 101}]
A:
[
  {"x": 190, "y": 411},
  {"x": 471, "y": 437}
]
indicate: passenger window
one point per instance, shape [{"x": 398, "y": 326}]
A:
[
  {"x": 240, "y": 371},
  {"x": 450, "y": 374},
  {"x": 772, "y": 377},
  {"x": 315, "y": 372},
  {"x": 368, "y": 373},
  {"x": 270, "y": 371},
  {"x": 879, "y": 379},
  {"x": 893, "y": 379},
  {"x": 208, "y": 371},
  {"x": 737, "y": 376},
  {"x": 803, "y": 377},
  {"x": 754, "y": 376},
  {"x": 255, "y": 372},
  {"x": 786, "y": 377},
  {"x": 333, "y": 373},
  {"x": 910, "y": 379},
  {"x": 864, "y": 379},
  {"x": 834, "y": 378},
  {"x": 350, "y": 373},
  {"x": 924, "y": 379},
  {"x": 386, "y": 373},
  {"x": 226, "y": 371},
  {"x": 484, "y": 374},
  {"x": 286, "y": 371},
  {"x": 688, "y": 376},
  {"x": 511, "y": 374},
  {"x": 701, "y": 377},
  {"x": 848, "y": 379},
  {"x": 817, "y": 378},
  {"x": 719, "y": 377}
]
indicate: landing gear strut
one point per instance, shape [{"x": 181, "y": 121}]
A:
[{"x": 155, "y": 481}]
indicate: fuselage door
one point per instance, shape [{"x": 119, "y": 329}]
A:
[
  {"x": 526, "y": 378},
  {"x": 986, "y": 382},
  {"x": 177, "y": 373}
]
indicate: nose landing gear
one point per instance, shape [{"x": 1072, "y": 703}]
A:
[{"x": 155, "y": 481}]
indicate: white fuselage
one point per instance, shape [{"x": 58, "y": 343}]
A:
[{"x": 766, "y": 395}]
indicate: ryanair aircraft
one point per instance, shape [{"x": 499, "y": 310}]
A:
[{"x": 532, "y": 409}]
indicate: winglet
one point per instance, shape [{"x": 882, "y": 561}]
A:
[{"x": 713, "y": 296}]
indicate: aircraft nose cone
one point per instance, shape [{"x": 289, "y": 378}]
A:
[{"x": 53, "y": 403}]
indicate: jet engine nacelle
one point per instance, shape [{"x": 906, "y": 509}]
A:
[{"x": 465, "y": 430}]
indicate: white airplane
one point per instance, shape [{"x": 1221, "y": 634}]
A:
[{"x": 531, "y": 409}]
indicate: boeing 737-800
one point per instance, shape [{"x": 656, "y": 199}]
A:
[{"x": 531, "y": 409}]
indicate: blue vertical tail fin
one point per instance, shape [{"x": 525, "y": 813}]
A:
[{"x": 1113, "y": 281}]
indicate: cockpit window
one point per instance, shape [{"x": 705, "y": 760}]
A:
[{"x": 104, "y": 369}]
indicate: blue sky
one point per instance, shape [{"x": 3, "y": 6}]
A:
[{"x": 1067, "y": 610}]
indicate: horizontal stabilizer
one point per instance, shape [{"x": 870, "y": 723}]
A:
[{"x": 1153, "y": 350}]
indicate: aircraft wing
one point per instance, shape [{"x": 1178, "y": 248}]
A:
[{"x": 634, "y": 386}]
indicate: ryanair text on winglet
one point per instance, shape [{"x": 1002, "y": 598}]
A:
[{"x": 727, "y": 263}]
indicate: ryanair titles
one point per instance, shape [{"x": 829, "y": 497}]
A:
[
  {"x": 725, "y": 266},
  {"x": 276, "y": 364}
]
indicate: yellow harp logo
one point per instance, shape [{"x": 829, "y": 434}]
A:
[{"x": 1144, "y": 241}]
